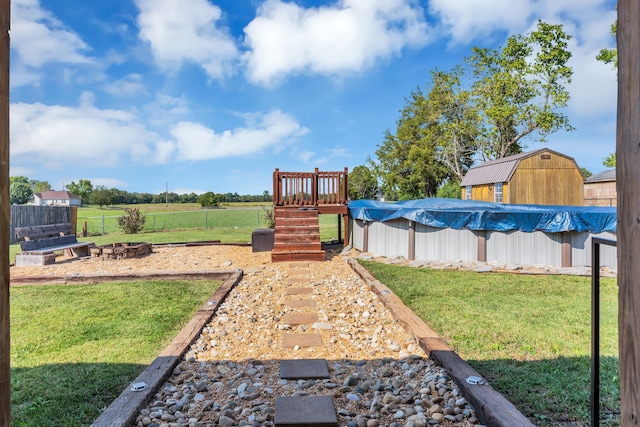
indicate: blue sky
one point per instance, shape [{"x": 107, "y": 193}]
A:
[{"x": 213, "y": 95}]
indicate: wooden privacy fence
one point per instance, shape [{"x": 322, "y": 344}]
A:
[
  {"x": 25, "y": 216},
  {"x": 310, "y": 188}
]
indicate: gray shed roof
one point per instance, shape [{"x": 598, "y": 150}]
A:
[
  {"x": 499, "y": 170},
  {"x": 608, "y": 175}
]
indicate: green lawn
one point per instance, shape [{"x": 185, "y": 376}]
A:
[
  {"x": 528, "y": 335},
  {"x": 74, "y": 348}
]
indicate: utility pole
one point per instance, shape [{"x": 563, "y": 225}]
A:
[
  {"x": 166, "y": 193},
  {"x": 5, "y": 218}
]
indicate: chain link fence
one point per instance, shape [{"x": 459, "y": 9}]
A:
[{"x": 206, "y": 219}]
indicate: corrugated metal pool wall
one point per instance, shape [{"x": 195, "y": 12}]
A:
[{"x": 394, "y": 239}]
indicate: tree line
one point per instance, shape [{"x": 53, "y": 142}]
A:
[
  {"x": 489, "y": 107},
  {"x": 22, "y": 189}
]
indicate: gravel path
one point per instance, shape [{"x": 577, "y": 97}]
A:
[{"x": 230, "y": 376}]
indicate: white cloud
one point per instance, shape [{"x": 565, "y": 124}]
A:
[
  {"x": 350, "y": 37},
  {"x": 465, "y": 20},
  {"x": 166, "y": 110},
  {"x": 309, "y": 157},
  {"x": 54, "y": 136},
  {"x": 193, "y": 141},
  {"x": 185, "y": 190},
  {"x": 20, "y": 171},
  {"x": 130, "y": 85},
  {"x": 108, "y": 182},
  {"x": 593, "y": 87},
  {"x": 38, "y": 37},
  {"x": 187, "y": 30}
]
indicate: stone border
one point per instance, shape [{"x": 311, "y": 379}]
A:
[
  {"x": 125, "y": 408},
  {"x": 491, "y": 407}
]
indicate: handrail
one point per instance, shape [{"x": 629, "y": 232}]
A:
[
  {"x": 310, "y": 188},
  {"x": 595, "y": 326}
]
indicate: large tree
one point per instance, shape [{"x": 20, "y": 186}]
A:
[
  {"x": 20, "y": 191},
  {"x": 520, "y": 89},
  {"x": 40, "y": 186},
  {"x": 610, "y": 56},
  {"x": 452, "y": 121},
  {"x": 610, "y": 161},
  {"x": 362, "y": 183},
  {"x": 486, "y": 109},
  {"x": 82, "y": 189},
  {"x": 101, "y": 196},
  {"x": 407, "y": 160}
]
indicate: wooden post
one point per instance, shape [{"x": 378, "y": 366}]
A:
[
  {"x": 566, "y": 249},
  {"x": 339, "y": 228},
  {"x": 627, "y": 183},
  {"x": 276, "y": 188},
  {"x": 365, "y": 237},
  {"x": 74, "y": 219},
  {"x": 412, "y": 241},
  {"x": 482, "y": 246},
  {"x": 5, "y": 219},
  {"x": 345, "y": 218}
]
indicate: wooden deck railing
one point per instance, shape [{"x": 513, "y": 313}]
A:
[{"x": 310, "y": 188}]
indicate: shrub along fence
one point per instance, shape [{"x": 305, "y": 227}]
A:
[{"x": 26, "y": 215}]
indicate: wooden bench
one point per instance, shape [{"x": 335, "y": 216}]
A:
[{"x": 39, "y": 242}]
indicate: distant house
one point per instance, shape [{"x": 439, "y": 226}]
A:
[
  {"x": 600, "y": 189},
  {"x": 541, "y": 177},
  {"x": 56, "y": 198}
]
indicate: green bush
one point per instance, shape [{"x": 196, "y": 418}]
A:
[{"x": 132, "y": 222}]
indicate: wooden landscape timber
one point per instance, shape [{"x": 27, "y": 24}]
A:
[
  {"x": 491, "y": 407},
  {"x": 123, "y": 277}
]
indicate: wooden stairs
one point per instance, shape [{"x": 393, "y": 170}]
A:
[{"x": 297, "y": 235}]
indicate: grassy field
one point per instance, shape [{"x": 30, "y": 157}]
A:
[
  {"x": 74, "y": 348},
  {"x": 528, "y": 335},
  {"x": 179, "y": 216}
]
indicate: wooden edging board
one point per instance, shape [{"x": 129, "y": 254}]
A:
[
  {"x": 122, "y": 277},
  {"x": 126, "y": 407},
  {"x": 491, "y": 407}
]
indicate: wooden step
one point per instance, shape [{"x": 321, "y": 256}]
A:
[
  {"x": 295, "y": 213},
  {"x": 297, "y": 222},
  {"x": 304, "y": 229},
  {"x": 297, "y": 256},
  {"x": 297, "y": 235},
  {"x": 298, "y": 247}
]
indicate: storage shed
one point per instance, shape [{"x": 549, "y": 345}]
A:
[
  {"x": 600, "y": 189},
  {"x": 540, "y": 177}
]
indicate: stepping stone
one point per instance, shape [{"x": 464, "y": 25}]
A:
[
  {"x": 301, "y": 340},
  {"x": 304, "y": 369},
  {"x": 300, "y": 279},
  {"x": 300, "y": 303},
  {"x": 299, "y": 291},
  {"x": 298, "y": 265},
  {"x": 316, "y": 411},
  {"x": 299, "y": 318}
]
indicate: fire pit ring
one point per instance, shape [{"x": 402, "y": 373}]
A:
[{"x": 121, "y": 250}]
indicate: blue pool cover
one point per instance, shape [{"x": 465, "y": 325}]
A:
[{"x": 474, "y": 215}]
